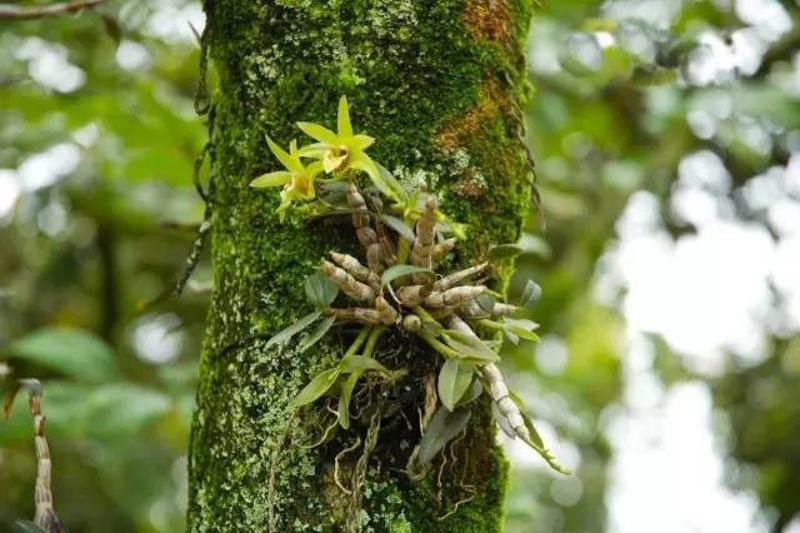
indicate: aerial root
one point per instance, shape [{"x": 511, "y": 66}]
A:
[
  {"x": 470, "y": 489},
  {"x": 460, "y": 502},
  {"x": 338, "y": 458},
  {"x": 359, "y": 476},
  {"x": 325, "y": 434},
  {"x": 431, "y": 401},
  {"x": 439, "y": 483}
]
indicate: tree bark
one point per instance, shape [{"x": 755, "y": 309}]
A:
[{"x": 438, "y": 83}]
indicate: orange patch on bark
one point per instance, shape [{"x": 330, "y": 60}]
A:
[
  {"x": 469, "y": 188},
  {"x": 487, "y": 19},
  {"x": 492, "y": 102},
  {"x": 469, "y": 131}
]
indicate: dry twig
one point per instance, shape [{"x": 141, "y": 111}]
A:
[{"x": 13, "y": 12}]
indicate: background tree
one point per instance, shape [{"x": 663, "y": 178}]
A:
[{"x": 438, "y": 86}]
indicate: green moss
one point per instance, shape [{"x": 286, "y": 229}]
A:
[{"x": 410, "y": 71}]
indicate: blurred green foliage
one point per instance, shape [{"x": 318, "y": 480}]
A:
[
  {"x": 88, "y": 242},
  {"x": 97, "y": 214}
]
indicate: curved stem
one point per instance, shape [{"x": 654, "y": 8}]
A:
[
  {"x": 424, "y": 315},
  {"x": 362, "y": 336},
  {"x": 372, "y": 341},
  {"x": 438, "y": 346},
  {"x": 403, "y": 250},
  {"x": 403, "y": 246},
  {"x": 491, "y": 324}
]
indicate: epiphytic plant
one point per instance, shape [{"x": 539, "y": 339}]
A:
[
  {"x": 45, "y": 518},
  {"x": 399, "y": 285},
  {"x": 297, "y": 179}
]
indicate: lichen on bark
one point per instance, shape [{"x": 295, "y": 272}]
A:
[{"x": 434, "y": 82}]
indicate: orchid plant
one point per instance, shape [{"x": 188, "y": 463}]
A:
[{"x": 400, "y": 286}]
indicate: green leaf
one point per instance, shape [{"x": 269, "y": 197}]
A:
[
  {"x": 457, "y": 230},
  {"x": 344, "y": 398},
  {"x": 124, "y": 409},
  {"x": 322, "y": 329},
  {"x": 535, "y": 442},
  {"x": 364, "y": 163},
  {"x": 536, "y": 439},
  {"x": 502, "y": 421},
  {"x": 108, "y": 412},
  {"x": 512, "y": 337},
  {"x": 398, "y": 271},
  {"x": 318, "y": 386},
  {"x": 32, "y": 386},
  {"x": 72, "y": 352},
  {"x": 522, "y": 333},
  {"x": 485, "y": 302},
  {"x": 399, "y": 193},
  {"x": 522, "y": 323},
  {"x": 320, "y": 291},
  {"x": 399, "y": 226},
  {"x": 26, "y": 526},
  {"x": 530, "y": 294},
  {"x": 286, "y": 334},
  {"x": 334, "y": 193},
  {"x": 355, "y": 363},
  {"x": 444, "y": 427},
  {"x": 501, "y": 252},
  {"x": 63, "y": 402},
  {"x": 522, "y": 328},
  {"x": 535, "y": 245},
  {"x": 473, "y": 393},
  {"x": 526, "y": 417},
  {"x": 432, "y": 326},
  {"x": 469, "y": 346},
  {"x": 454, "y": 380}
]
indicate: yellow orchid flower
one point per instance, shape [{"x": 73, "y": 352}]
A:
[
  {"x": 343, "y": 150},
  {"x": 297, "y": 180}
]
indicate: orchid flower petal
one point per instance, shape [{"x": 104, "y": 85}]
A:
[
  {"x": 272, "y": 179},
  {"x": 320, "y": 133},
  {"x": 343, "y": 119}
]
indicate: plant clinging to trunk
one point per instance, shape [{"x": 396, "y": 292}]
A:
[
  {"x": 403, "y": 290},
  {"x": 438, "y": 86}
]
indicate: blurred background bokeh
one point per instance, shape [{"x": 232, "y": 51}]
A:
[{"x": 667, "y": 140}]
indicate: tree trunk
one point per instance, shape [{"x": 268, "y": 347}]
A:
[{"x": 438, "y": 84}]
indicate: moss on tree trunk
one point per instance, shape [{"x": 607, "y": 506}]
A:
[{"x": 437, "y": 83}]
